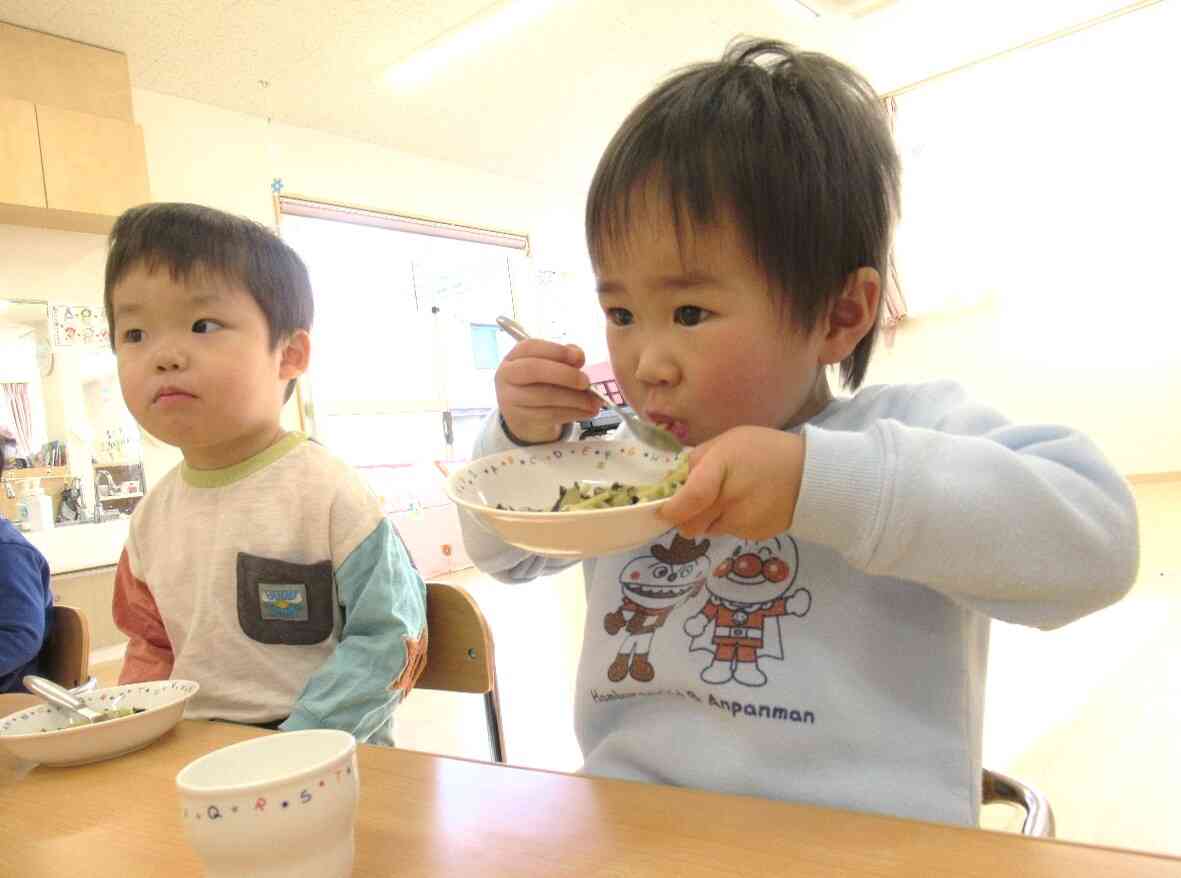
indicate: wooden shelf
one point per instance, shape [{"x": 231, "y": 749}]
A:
[
  {"x": 37, "y": 472},
  {"x": 135, "y": 496},
  {"x": 62, "y": 220}
]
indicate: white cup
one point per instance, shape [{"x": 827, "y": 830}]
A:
[{"x": 278, "y": 805}]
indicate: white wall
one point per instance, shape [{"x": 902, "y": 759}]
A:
[
  {"x": 1039, "y": 200},
  {"x": 18, "y": 356}
]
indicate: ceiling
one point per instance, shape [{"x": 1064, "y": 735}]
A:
[{"x": 536, "y": 104}]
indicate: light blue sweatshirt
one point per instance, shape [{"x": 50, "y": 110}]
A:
[{"x": 843, "y": 662}]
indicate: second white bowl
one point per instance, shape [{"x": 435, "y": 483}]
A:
[{"x": 277, "y": 806}]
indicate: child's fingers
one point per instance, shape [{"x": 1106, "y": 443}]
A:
[
  {"x": 534, "y": 371},
  {"x": 697, "y": 452},
  {"x": 574, "y": 356},
  {"x": 701, "y": 525},
  {"x": 700, "y": 492},
  {"x": 548, "y": 396},
  {"x": 541, "y": 349}
]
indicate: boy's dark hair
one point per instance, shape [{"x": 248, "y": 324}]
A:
[
  {"x": 794, "y": 146},
  {"x": 191, "y": 237}
]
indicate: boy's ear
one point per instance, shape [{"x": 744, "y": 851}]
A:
[
  {"x": 851, "y": 315},
  {"x": 296, "y": 352}
]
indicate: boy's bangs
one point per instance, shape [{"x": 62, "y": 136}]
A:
[
  {"x": 195, "y": 243},
  {"x": 184, "y": 268},
  {"x": 682, "y": 193}
]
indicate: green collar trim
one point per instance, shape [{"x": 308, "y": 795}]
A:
[{"x": 221, "y": 478}]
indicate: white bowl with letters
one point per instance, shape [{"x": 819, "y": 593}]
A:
[
  {"x": 282, "y": 805},
  {"x": 512, "y": 493}
]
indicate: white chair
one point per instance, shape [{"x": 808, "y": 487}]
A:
[{"x": 459, "y": 655}]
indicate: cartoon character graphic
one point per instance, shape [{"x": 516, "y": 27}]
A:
[
  {"x": 653, "y": 586},
  {"x": 749, "y": 593}
]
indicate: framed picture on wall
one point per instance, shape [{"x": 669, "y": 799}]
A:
[{"x": 78, "y": 326}]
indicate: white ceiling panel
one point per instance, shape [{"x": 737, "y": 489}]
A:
[{"x": 537, "y": 104}]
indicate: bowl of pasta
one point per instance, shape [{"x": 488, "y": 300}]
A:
[
  {"x": 134, "y": 715},
  {"x": 571, "y": 499}
]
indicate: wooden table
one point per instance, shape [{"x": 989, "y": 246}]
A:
[{"x": 429, "y": 815}]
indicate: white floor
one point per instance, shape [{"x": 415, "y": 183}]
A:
[
  {"x": 537, "y": 628},
  {"x": 1090, "y": 714}
]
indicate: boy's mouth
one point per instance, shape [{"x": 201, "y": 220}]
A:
[
  {"x": 166, "y": 395},
  {"x": 678, "y": 428}
]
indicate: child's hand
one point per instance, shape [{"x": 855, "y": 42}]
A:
[
  {"x": 744, "y": 483},
  {"x": 695, "y": 625},
  {"x": 540, "y": 388}
]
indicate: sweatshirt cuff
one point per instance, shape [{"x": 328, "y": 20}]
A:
[
  {"x": 299, "y": 720},
  {"x": 842, "y": 494},
  {"x": 495, "y": 437}
]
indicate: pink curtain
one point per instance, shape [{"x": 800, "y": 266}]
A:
[
  {"x": 894, "y": 307},
  {"x": 19, "y": 415}
]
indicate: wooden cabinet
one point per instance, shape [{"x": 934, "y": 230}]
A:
[
  {"x": 63, "y": 169},
  {"x": 71, "y": 157},
  {"x": 92, "y": 164},
  {"x": 46, "y": 69},
  {"x": 20, "y": 155}
]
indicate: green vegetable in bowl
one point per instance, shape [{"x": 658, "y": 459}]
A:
[
  {"x": 113, "y": 713},
  {"x": 581, "y": 496},
  {"x": 121, "y": 712}
]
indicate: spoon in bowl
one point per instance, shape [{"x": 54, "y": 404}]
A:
[
  {"x": 650, "y": 434},
  {"x": 60, "y": 697}
]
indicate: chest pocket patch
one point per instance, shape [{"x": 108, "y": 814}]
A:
[{"x": 281, "y": 602}]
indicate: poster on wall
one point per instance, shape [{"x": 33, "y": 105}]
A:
[{"x": 79, "y": 326}]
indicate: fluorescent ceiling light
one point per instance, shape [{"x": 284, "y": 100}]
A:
[
  {"x": 805, "y": 6},
  {"x": 465, "y": 40}
]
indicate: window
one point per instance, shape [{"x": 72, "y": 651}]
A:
[
  {"x": 485, "y": 348},
  {"x": 405, "y": 345}
]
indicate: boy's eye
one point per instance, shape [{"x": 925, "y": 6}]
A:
[
  {"x": 689, "y": 315},
  {"x": 619, "y": 316},
  {"x": 206, "y": 326},
  {"x": 133, "y": 336}
]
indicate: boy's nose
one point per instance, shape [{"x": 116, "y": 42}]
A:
[
  {"x": 170, "y": 360},
  {"x": 656, "y": 366}
]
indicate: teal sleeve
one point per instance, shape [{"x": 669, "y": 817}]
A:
[{"x": 384, "y": 602}]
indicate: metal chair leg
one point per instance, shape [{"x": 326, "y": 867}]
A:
[
  {"x": 1039, "y": 816},
  {"x": 492, "y": 715}
]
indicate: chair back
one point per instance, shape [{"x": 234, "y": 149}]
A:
[
  {"x": 460, "y": 656},
  {"x": 68, "y": 653}
]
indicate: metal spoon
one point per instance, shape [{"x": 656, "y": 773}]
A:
[
  {"x": 649, "y": 434},
  {"x": 62, "y": 698}
]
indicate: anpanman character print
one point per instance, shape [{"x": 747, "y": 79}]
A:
[{"x": 653, "y": 586}]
